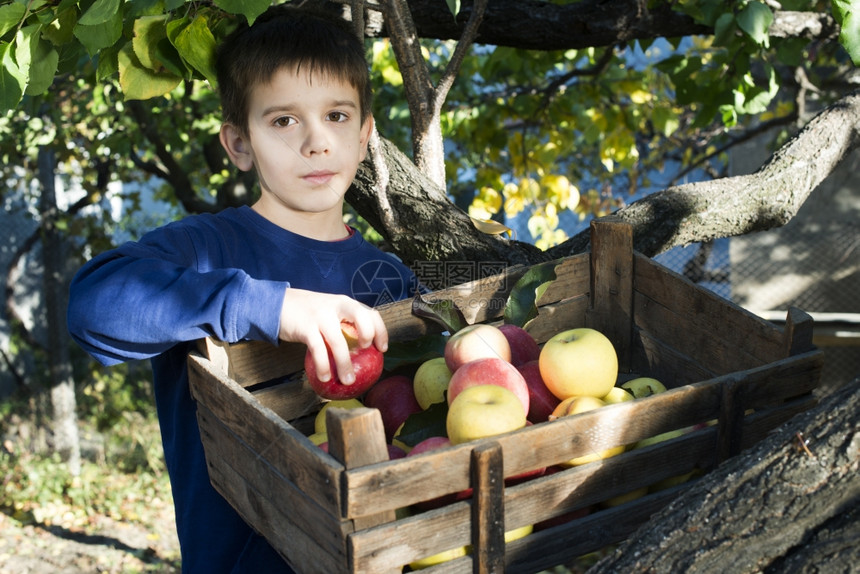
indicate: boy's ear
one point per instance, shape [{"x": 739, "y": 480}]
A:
[
  {"x": 236, "y": 146},
  {"x": 364, "y": 137}
]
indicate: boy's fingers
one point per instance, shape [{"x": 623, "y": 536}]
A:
[
  {"x": 340, "y": 353},
  {"x": 319, "y": 356}
]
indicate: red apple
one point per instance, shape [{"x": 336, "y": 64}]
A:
[
  {"x": 489, "y": 371},
  {"x": 524, "y": 348},
  {"x": 476, "y": 342},
  {"x": 541, "y": 400},
  {"x": 395, "y": 399},
  {"x": 366, "y": 363},
  {"x": 426, "y": 445}
]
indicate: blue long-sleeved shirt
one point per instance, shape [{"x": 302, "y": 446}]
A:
[{"x": 222, "y": 276}]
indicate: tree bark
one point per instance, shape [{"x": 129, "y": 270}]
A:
[
  {"x": 789, "y": 504},
  {"x": 422, "y": 224},
  {"x": 66, "y": 436}
]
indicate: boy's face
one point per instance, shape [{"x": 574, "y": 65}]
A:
[{"x": 306, "y": 139}]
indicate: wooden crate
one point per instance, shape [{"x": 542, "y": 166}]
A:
[{"x": 337, "y": 513}]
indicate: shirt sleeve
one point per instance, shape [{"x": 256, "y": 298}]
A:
[{"x": 140, "y": 299}]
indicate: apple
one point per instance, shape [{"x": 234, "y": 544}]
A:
[
  {"x": 319, "y": 421},
  {"x": 319, "y": 437},
  {"x": 624, "y": 498},
  {"x": 579, "y": 362},
  {"x": 523, "y": 346},
  {"x": 668, "y": 435},
  {"x": 489, "y": 371},
  {"x": 476, "y": 342},
  {"x": 482, "y": 411},
  {"x": 366, "y": 363},
  {"x": 430, "y": 382},
  {"x": 439, "y": 558},
  {"x": 426, "y": 445},
  {"x": 644, "y": 387},
  {"x": 518, "y": 533},
  {"x": 395, "y": 399},
  {"x": 580, "y": 404},
  {"x": 541, "y": 400},
  {"x": 395, "y": 452},
  {"x": 617, "y": 395}
]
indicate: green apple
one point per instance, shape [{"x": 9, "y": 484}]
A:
[
  {"x": 579, "y": 362},
  {"x": 431, "y": 381},
  {"x": 319, "y": 421},
  {"x": 482, "y": 411},
  {"x": 672, "y": 480},
  {"x": 617, "y": 395},
  {"x": 573, "y": 406},
  {"x": 644, "y": 387}
]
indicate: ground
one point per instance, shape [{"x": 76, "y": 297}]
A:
[{"x": 107, "y": 546}]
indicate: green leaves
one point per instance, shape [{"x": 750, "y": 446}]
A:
[
  {"x": 847, "y": 14},
  {"x": 522, "y": 302},
  {"x": 139, "y": 82},
  {"x": 12, "y": 80},
  {"x": 755, "y": 19},
  {"x": 444, "y": 312},
  {"x": 250, "y": 9}
]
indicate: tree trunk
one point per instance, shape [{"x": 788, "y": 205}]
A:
[
  {"x": 66, "y": 438},
  {"x": 789, "y": 504}
]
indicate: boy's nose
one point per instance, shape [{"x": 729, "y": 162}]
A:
[{"x": 316, "y": 141}]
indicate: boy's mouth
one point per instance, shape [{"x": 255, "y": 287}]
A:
[{"x": 319, "y": 177}]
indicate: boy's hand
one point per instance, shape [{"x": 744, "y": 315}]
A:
[{"x": 315, "y": 318}]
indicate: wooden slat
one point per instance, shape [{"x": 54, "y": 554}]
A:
[
  {"x": 488, "y": 509},
  {"x": 290, "y": 399},
  {"x": 433, "y": 474},
  {"x": 560, "y": 316},
  {"x": 799, "y": 329},
  {"x": 252, "y": 362},
  {"x": 284, "y": 447},
  {"x": 694, "y": 307},
  {"x": 248, "y": 468},
  {"x": 611, "y": 310},
  {"x": 654, "y": 358}
]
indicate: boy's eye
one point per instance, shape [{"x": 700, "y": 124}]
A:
[
  {"x": 284, "y": 121},
  {"x": 337, "y": 117}
]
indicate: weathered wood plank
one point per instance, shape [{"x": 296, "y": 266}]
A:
[
  {"x": 699, "y": 308},
  {"x": 611, "y": 310},
  {"x": 283, "y": 446},
  {"x": 252, "y": 470},
  {"x": 488, "y": 509}
]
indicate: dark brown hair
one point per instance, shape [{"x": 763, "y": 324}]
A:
[{"x": 286, "y": 37}]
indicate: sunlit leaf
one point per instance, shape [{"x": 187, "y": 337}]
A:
[
  {"x": 100, "y": 12},
  {"x": 491, "y": 227},
  {"x": 139, "y": 82},
  {"x": 43, "y": 67},
  {"x": 10, "y": 16},
  {"x": 755, "y": 19},
  {"x": 196, "y": 45},
  {"x": 12, "y": 80},
  {"x": 847, "y": 14}
]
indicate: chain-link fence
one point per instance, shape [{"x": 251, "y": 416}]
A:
[{"x": 807, "y": 265}]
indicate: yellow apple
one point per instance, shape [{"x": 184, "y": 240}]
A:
[
  {"x": 573, "y": 406},
  {"x": 644, "y": 387},
  {"x": 431, "y": 381},
  {"x": 319, "y": 421},
  {"x": 518, "y": 533},
  {"x": 672, "y": 480},
  {"x": 482, "y": 411},
  {"x": 438, "y": 558},
  {"x": 319, "y": 437},
  {"x": 579, "y": 362},
  {"x": 617, "y": 395}
]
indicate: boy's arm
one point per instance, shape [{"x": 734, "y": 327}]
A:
[{"x": 139, "y": 300}]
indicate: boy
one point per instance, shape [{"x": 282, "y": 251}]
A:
[{"x": 296, "y": 108}]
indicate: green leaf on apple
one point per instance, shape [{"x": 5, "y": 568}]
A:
[
  {"x": 416, "y": 351},
  {"x": 425, "y": 424},
  {"x": 443, "y": 311},
  {"x": 521, "y": 306}
]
